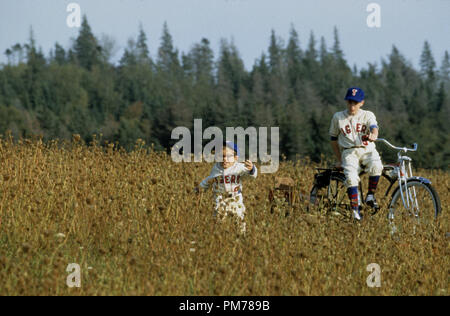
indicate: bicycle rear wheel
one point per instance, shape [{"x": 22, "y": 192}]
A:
[
  {"x": 337, "y": 197},
  {"x": 418, "y": 205}
]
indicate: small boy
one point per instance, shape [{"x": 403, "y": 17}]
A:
[
  {"x": 353, "y": 133},
  {"x": 226, "y": 179}
]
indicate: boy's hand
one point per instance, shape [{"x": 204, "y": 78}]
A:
[
  {"x": 248, "y": 165},
  {"x": 372, "y": 137}
]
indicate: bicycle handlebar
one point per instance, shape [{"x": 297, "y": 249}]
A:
[{"x": 398, "y": 148}]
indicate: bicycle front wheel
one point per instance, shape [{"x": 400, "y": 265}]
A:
[{"x": 415, "y": 204}]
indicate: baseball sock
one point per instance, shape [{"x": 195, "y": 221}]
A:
[
  {"x": 373, "y": 182},
  {"x": 353, "y": 196}
]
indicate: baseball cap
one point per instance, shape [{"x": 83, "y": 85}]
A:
[
  {"x": 355, "y": 94},
  {"x": 233, "y": 146}
]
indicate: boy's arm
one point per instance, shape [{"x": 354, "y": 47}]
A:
[
  {"x": 250, "y": 169},
  {"x": 337, "y": 152},
  {"x": 373, "y": 134},
  {"x": 373, "y": 128},
  {"x": 206, "y": 183},
  {"x": 334, "y": 133}
]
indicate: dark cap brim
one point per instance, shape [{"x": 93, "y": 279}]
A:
[{"x": 353, "y": 99}]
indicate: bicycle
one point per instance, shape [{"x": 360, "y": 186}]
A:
[{"x": 414, "y": 197}]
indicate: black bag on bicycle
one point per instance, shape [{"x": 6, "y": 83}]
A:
[{"x": 322, "y": 179}]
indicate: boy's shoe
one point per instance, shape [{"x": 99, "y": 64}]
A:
[
  {"x": 357, "y": 215},
  {"x": 372, "y": 202}
]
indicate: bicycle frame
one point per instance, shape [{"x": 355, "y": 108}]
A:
[{"x": 404, "y": 172}]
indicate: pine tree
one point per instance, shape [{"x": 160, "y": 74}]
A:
[
  {"x": 444, "y": 72},
  {"x": 263, "y": 68},
  {"x": 337, "y": 52},
  {"x": 231, "y": 76},
  {"x": 443, "y": 108},
  {"x": 371, "y": 80},
  {"x": 198, "y": 66},
  {"x": 394, "y": 80},
  {"x": 260, "y": 87},
  {"x": 323, "y": 53},
  {"x": 311, "y": 58},
  {"x": 278, "y": 80},
  {"x": 442, "y": 98},
  {"x": 143, "y": 54},
  {"x": 275, "y": 53},
  {"x": 294, "y": 51},
  {"x": 328, "y": 71},
  {"x": 202, "y": 58},
  {"x": 35, "y": 58},
  {"x": 336, "y": 75},
  {"x": 9, "y": 53},
  {"x": 18, "y": 52},
  {"x": 311, "y": 53},
  {"x": 33, "y": 82},
  {"x": 60, "y": 54},
  {"x": 316, "y": 140},
  {"x": 71, "y": 58},
  {"x": 129, "y": 57},
  {"x": 86, "y": 48},
  {"x": 108, "y": 48},
  {"x": 294, "y": 57},
  {"x": 231, "y": 71},
  {"x": 167, "y": 54},
  {"x": 427, "y": 63},
  {"x": 187, "y": 65}
]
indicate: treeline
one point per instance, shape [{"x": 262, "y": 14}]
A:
[{"x": 151, "y": 91}]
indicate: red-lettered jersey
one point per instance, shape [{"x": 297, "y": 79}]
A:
[{"x": 350, "y": 129}]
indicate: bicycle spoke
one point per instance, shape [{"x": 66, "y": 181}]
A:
[{"x": 418, "y": 209}]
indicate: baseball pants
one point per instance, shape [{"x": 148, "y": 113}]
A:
[
  {"x": 233, "y": 205},
  {"x": 353, "y": 158}
]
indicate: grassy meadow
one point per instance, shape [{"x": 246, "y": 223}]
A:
[{"x": 133, "y": 223}]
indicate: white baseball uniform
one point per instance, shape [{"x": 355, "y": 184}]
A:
[
  {"x": 227, "y": 188},
  {"x": 349, "y": 130}
]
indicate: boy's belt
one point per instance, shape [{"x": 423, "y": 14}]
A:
[
  {"x": 232, "y": 194},
  {"x": 354, "y": 147},
  {"x": 227, "y": 195}
]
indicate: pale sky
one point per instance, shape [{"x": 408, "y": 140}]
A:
[{"x": 405, "y": 23}]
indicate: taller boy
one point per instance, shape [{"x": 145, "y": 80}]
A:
[{"x": 353, "y": 132}]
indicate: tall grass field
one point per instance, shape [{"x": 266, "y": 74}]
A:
[{"x": 135, "y": 226}]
